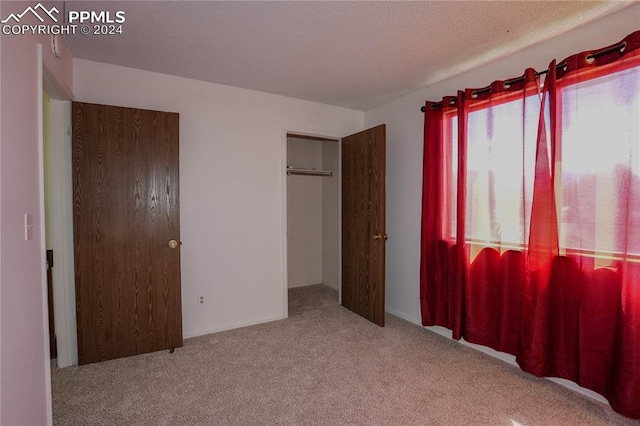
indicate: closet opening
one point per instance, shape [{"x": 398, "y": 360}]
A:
[{"x": 313, "y": 187}]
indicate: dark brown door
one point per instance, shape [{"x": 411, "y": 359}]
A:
[
  {"x": 363, "y": 223},
  {"x": 126, "y": 231},
  {"x": 53, "y": 345}
]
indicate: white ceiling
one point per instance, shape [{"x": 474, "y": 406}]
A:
[{"x": 352, "y": 54}]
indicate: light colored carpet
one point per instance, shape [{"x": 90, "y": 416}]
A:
[{"x": 322, "y": 366}]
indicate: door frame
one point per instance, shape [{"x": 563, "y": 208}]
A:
[
  {"x": 60, "y": 215},
  {"x": 285, "y": 220},
  {"x": 62, "y": 238}
]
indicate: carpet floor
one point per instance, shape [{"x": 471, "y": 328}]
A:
[{"x": 322, "y": 366}]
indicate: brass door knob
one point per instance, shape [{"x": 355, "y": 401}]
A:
[
  {"x": 380, "y": 236},
  {"x": 173, "y": 244}
]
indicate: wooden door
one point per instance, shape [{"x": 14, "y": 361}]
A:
[
  {"x": 53, "y": 344},
  {"x": 363, "y": 223},
  {"x": 126, "y": 211}
]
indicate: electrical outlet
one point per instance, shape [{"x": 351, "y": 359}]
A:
[{"x": 200, "y": 300}]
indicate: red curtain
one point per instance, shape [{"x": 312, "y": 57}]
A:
[
  {"x": 440, "y": 299},
  {"x": 531, "y": 220}
]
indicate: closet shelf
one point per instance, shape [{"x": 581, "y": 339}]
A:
[{"x": 308, "y": 172}]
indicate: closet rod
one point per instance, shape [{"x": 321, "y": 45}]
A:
[{"x": 308, "y": 172}]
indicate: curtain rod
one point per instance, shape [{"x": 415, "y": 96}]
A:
[{"x": 589, "y": 58}]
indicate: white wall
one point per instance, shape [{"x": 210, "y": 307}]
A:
[
  {"x": 232, "y": 180},
  {"x": 405, "y": 137},
  {"x": 25, "y": 387},
  {"x": 331, "y": 240},
  {"x": 304, "y": 214}
]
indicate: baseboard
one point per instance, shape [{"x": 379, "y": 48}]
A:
[
  {"x": 416, "y": 321},
  {"x": 577, "y": 388},
  {"x": 509, "y": 359},
  {"x": 304, "y": 284},
  {"x": 229, "y": 327}
]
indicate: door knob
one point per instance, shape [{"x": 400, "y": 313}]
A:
[
  {"x": 172, "y": 244},
  {"x": 379, "y": 236}
]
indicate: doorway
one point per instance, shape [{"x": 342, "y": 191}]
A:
[
  {"x": 47, "y": 166},
  {"x": 335, "y": 231},
  {"x": 57, "y": 200},
  {"x": 313, "y": 211}
]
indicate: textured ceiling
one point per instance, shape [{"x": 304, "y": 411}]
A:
[{"x": 351, "y": 54}]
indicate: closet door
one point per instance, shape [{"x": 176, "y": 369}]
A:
[
  {"x": 126, "y": 231},
  {"x": 363, "y": 223}
]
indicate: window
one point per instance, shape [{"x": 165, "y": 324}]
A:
[
  {"x": 597, "y": 168},
  {"x": 600, "y": 164}
]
